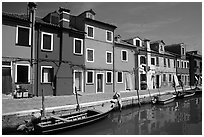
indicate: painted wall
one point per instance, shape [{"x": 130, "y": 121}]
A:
[
  {"x": 127, "y": 67},
  {"x": 9, "y": 47}
]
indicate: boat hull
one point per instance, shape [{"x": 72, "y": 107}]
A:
[
  {"x": 92, "y": 116},
  {"x": 165, "y": 99}
]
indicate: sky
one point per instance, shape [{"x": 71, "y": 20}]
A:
[{"x": 172, "y": 22}]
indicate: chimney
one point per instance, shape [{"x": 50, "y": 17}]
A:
[
  {"x": 64, "y": 17},
  {"x": 147, "y": 44},
  {"x": 31, "y": 11}
]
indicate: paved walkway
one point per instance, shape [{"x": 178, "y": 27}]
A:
[{"x": 10, "y": 105}]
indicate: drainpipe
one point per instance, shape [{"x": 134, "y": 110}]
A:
[
  {"x": 32, "y": 11},
  {"x": 113, "y": 65}
]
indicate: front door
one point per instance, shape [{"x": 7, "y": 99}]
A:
[
  {"x": 78, "y": 81},
  {"x": 99, "y": 85},
  {"x": 6, "y": 80}
]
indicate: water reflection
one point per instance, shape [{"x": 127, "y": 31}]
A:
[{"x": 179, "y": 117}]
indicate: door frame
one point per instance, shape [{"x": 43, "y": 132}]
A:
[
  {"x": 82, "y": 81},
  {"x": 97, "y": 82}
]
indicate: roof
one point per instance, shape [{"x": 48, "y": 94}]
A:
[
  {"x": 122, "y": 42},
  {"x": 39, "y": 20},
  {"x": 172, "y": 45},
  {"x": 104, "y": 23},
  {"x": 22, "y": 17},
  {"x": 157, "y": 41},
  {"x": 134, "y": 38}
]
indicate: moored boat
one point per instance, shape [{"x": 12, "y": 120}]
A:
[
  {"x": 164, "y": 99},
  {"x": 67, "y": 121}
]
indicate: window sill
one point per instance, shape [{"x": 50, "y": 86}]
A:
[
  {"x": 45, "y": 50},
  {"x": 89, "y": 83},
  {"x": 23, "y": 45},
  {"x": 78, "y": 54},
  {"x": 109, "y": 83},
  {"x": 22, "y": 83},
  {"x": 46, "y": 82}
]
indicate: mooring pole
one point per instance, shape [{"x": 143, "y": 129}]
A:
[
  {"x": 77, "y": 108},
  {"x": 43, "y": 106}
]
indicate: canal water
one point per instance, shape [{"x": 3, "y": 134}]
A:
[{"x": 181, "y": 117}]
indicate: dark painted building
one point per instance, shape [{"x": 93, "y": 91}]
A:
[
  {"x": 195, "y": 64},
  {"x": 16, "y": 52},
  {"x": 182, "y": 63}
]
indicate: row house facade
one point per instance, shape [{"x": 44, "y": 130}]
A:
[
  {"x": 195, "y": 70},
  {"x": 98, "y": 49},
  {"x": 61, "y": 53},
  {"x": 182, "y": 63},
  {"x": 46, "y": 61},
  {"x": 163, "y": 64},
  {"x": 125, "y": 63}
]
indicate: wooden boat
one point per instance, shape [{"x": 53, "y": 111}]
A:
[
  {"x": 164, "y": 99},
  {"x": 189, "y": 94},
  {"x": 198, "y": 90},
  {"x": 57, "y": 123}
]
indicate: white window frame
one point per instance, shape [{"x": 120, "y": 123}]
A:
[
  {"x": 126, "y": 55},
  {"x": 41, "y": 72},
  {"x": 24, "y": 28},
  {"x": 87, "y": 76},
  {"x": 107, "y": 36},
  {"x": 87, "y": 55},
  {"x": 42, "y": 41},
  {"x": 107, "y": 77},
  {"x": 18, "y": 64},
  {"x": 87, "y": 31},
  {"x": 81, "y": 46},
  {"x": 122, "y": 77},
  {"x": 111, "y": 57}
]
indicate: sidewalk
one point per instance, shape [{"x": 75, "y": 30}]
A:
[{"x": 10, "y": 105}]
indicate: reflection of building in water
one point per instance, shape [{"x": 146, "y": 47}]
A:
[{"x": 174, "y": 118}]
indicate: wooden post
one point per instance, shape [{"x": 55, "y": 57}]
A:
[
  {"x": 138, "y": 98},
  {"x": 78, "y": 107},
  {"x": 43, "y": 106}
]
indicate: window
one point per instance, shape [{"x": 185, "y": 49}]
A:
[
  {"x": 178, "y": 63},
  {"x": 47, "y": 74},
  {"x": 183, "y": 51},
  {"x": 152, "y": 61},
  {"x": 124, "y": 55},
  {"x": 90, "y": 77},
  {"x": 108, "y": 77},
  {"x": 142, "y": 60},
  {"x": 89, "y": 55},
  {"x": 109, "y": 57},
  {"x": 46, "y": 41},
  {"x": 187, "y": 64},
  {"x": 109, "y": 36},
  {"x": 138, "y": 43},
  {"x": 174, "y": 63},
  {"x": 161, "y": 48},
  {"x": 157, "y": 61},
  {"x": 169, "y": 77},
  {"x": 23, "y": 36},
  {"x": 78, "y": 46},
  {"x": 90, "y": 31},
  {"x": 22, "y": 74},
  {"x": 164, "y": 62},
  {"x": 120, "y": 77},
  {"x": 164, "y": 77},
  {"x": 181, "y": 64},
  {"x": 169, "y": 63},
  {"x": 90, "y": 15}
]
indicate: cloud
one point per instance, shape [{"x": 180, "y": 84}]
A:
[{"x": 134, "y": 27}]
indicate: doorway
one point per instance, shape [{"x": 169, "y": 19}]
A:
[
  {"x": 6, "y": 80},
  {"x": 99, "y": 83},
  {"x": 78, "y": 81}
]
